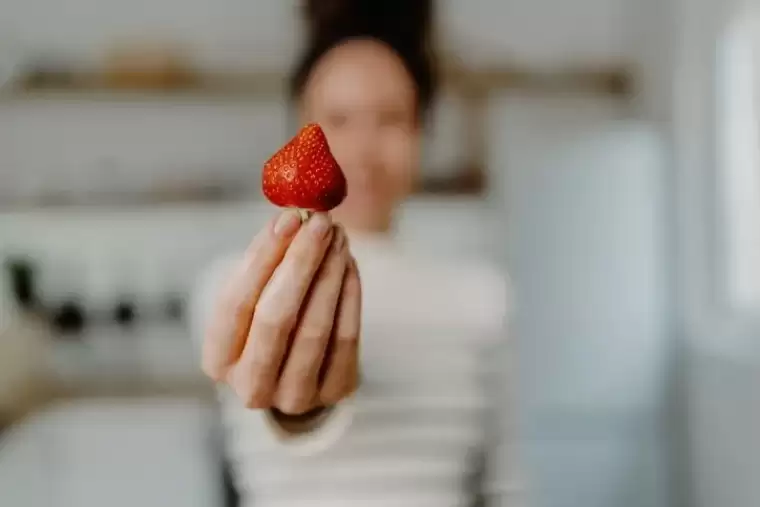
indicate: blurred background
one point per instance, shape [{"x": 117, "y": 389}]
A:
[{"x": 605, "y": 152}]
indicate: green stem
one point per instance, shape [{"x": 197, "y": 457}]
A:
[{"x": 304, "y": 214}]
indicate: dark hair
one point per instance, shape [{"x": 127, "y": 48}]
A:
[{"x": 403, "y": 25}]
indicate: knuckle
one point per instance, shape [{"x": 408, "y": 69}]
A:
[
  {"x": 347, "y": 337},
  {"x": 332, "y": 393},
  {"x": 264, "y": 324},
  {"x": 241, "y": 310},
  {"x": 353, "y": 271},
  {"x": 255, "y": 396},
  {"x": 337, "y": 262},
  {"x": 261, "y": 361},
  {"x": 293, "y": 404},
  {"x": 301, "y": 375},
  {"x": 333, "y": 273},
  {"x": 314, "y": 333},
  {"x": 353, "y": 289},
  {"x": 351, "y": 293},
  {"x": 301, "y": 255},
  {"x": 274, "y": 319},
  {"x": 331, "y": 397},
  {"x": 298, "y": 378},
  {"x": 263, "y": 366}
]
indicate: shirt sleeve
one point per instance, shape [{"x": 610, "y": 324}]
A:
[
  {"x": 313, "y": 436},
  {"x": 501, "y": 480}
]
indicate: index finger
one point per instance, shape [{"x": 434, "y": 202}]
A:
[
  {"x": 228, "y": 329},
  {"x": 275, "y": 315}
]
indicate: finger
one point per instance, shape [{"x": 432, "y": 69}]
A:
[
  {"x": 274, "y": 317},
  {"x": 298, "y": 383},
  {"x": 285, "y": 292},
  {"x": 342, "y": 364},
  {"x": 231, "y": 318}
]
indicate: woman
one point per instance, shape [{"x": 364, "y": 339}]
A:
[{"x": 306, "y": 428}]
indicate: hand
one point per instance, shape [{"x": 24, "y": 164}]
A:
[{"x": 285, "y": 330}]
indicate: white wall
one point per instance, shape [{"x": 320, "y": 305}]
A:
[
  {"x": 723, "y": 361},
  {"x": 266, "y": 32},
  {"x": 541, "y": 33},
  {"x": 106, "y": 144}
]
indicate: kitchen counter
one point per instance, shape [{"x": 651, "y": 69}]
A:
[
  {"x": 153, "y": 360},
  {"x": 147, "y": 359},
  {"x": 151, "y": 452}
]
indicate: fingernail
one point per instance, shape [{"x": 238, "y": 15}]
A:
[
  {"x": 287, "y": 224},
  {"x": 319, "y": 225}
]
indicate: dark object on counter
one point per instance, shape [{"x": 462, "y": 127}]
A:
[
  {"x": 47, "y": 73},
  {"x": 175, "y": 308},
  {"x": 125, "y": 314},
  {"x": 23, "y": 283},
  {"x": 69, "y": 319}
]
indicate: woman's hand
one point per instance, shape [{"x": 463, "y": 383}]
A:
[{"x": 284, "y": 333}]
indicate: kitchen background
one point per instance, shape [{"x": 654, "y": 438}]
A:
[{"x": 604, "y": 151}]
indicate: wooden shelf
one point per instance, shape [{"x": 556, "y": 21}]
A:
[
  {"x": 469, "y": 181},
  {"x": 478, "y": 82},
  {"x": 473, "y": 85},
  {"x": 266, "y": 85},
  {"x": 91, "y": 87}
]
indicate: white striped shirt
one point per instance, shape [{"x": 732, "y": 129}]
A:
[{"x": 414, "y": 432}]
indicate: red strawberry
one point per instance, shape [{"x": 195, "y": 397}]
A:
[{"x": 304, "y": 174}]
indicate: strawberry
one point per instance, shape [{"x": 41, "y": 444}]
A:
[{"x": 304, "y": 174}]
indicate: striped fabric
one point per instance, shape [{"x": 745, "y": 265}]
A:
[{"x": 416, "y": 432}]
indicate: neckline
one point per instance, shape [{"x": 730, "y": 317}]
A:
[{"x": 365, "y": 244}]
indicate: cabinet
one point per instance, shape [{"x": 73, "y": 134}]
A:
[{"x": 121, "y": 453}]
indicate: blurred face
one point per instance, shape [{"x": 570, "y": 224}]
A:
[{"x": 365, "y": 101}]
